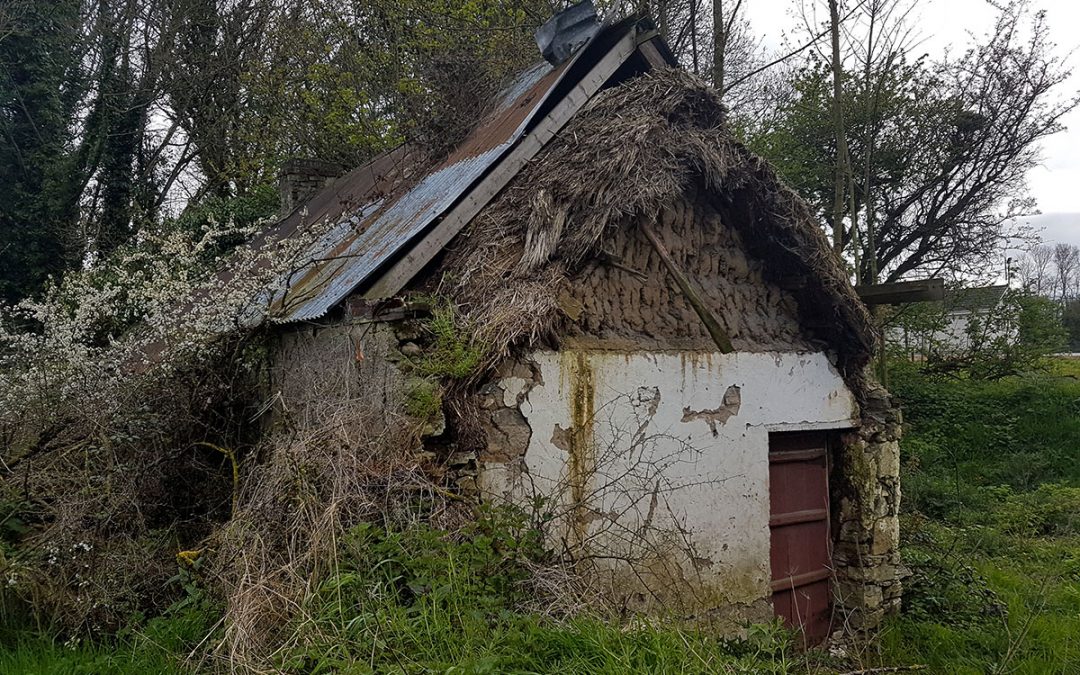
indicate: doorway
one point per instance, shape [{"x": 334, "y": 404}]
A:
[{"x": 800, "y": 544}]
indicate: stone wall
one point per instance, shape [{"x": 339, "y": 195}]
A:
[
  {"x": 866, "y": 527},
  {"x": 300, "y": 179},
  {"x": 316, "y": 370}
]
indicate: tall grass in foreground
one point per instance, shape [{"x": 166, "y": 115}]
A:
[
  {"x": 158, "y": 646},
  {"x": 419, "y": 601},
  {"x": 991, "y": 529}
]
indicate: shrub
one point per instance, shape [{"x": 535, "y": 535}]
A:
[
  {"x": 1013, "y": 337},
  {"x": 963, "y": 434},
  {"x": 1051, "y": 510},
  {"x": 942, "y": 588},
  {"x": 402, "y": 595}
]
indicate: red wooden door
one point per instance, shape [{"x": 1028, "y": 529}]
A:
[{"x": 800, "y": 551}]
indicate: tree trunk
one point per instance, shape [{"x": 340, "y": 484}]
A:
[
  {"x": 719, "y": 45},
  {"x": 842, "y": 159}
]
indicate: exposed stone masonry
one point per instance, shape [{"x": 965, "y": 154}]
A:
[
  {"x": 300, "y": 179},
  {"x": 866, "y": 503}
]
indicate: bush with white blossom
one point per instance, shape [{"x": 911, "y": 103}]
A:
[{"x": 108, "y": 381}]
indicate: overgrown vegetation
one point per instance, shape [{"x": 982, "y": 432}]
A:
[
  {"x": 1013, "y": 335},
  {"x": 991, "y": 525},
  {"x": 421, "y": 600},
  {"x": 454, "y": 352},
  {"x": 126, "y": 417},
  {"x": 326, "y": 543},
  {"x": 168, "y": 643},
  {"x": 991, "y": 534}
]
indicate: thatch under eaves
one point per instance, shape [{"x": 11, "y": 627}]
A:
[{"x": 631, "y": 152}]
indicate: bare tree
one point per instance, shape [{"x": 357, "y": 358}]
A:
[
  {"x": 885, "y": 36},
  {"x": 999, "y": 100},
  {"x": 843, "y": 159},
  {"x": 1036, "y": 269},
  {"x": 1067, "y": 266}
]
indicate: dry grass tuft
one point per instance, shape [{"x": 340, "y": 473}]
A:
[{"x": 342, "y": 451}]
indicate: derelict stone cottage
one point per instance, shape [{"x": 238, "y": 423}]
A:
[{"x": 673, "y": 361}]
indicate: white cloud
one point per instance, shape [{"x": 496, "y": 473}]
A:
[{"x": 1057, "y": 228}]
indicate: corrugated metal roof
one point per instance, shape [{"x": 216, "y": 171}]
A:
[{"x": 374, "y": 231}]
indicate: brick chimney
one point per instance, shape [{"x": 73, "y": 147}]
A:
[{"x": 300, "y": 179}]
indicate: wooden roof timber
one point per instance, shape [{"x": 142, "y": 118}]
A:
[{"x": 902, "y": 292}]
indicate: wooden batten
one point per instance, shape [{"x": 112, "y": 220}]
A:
[
  {"x": 901, "y": 292},
  {"x": 716, "y": 331},
  {"x": 403, "y": 271}
]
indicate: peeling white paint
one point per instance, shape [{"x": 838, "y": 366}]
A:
[
  {"x": 512, "y": 388},
  {"x": 703, "y": 480}
]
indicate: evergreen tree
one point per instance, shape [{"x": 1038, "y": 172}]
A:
[{"x": 39, "y": 89}]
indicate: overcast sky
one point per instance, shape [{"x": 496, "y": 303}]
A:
[{"x": 949, "y": 25}]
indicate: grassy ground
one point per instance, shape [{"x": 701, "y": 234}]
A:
[
  {"x": 991, "y": 533},
  {"x": 159, "y": 646},
  {"x": 991, "y": 525}
]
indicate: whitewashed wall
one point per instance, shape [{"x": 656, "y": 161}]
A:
[{"x": 661, "y": 459}]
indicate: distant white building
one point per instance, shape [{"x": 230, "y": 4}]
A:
[
  {"x": 962, "y": 307},
  {"x": 946, "y": 326}
]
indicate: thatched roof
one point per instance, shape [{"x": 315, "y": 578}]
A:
[
  {"x": 568, "y": 154},
  {"x": 633, "y": 150}
]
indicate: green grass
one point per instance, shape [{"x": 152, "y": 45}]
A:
[
  {"x": 991, "y": 528},
  {"x": 159, "y": 646},
  {"x": 31, "y": 655},
  {"x": 419, "y": 601},
  {"x": 1020, "y": 432},
  {"x": 991, "y": 532}
]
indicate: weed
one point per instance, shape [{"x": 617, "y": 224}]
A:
[
  {"x": 423, "y": 400},
  {"x": 422, "y": 600},
  {"x": 453, "y": 353},
  {"x": 992, "y": 525},
  {"x": 160, "y": 645}
]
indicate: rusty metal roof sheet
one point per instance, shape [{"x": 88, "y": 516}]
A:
[
  {"x": 378, "y": 211},
  {"x": 371, "y": 231}
]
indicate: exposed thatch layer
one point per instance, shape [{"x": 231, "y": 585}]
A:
[{"x": 632, "y": 151}]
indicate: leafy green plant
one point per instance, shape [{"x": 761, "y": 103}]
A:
[
  {"x": 942, "y": 588},
  {"x": 424, "y": 600},
  {"x": 1051, "y": 510},
  {"x": 453, "y": 351},
  {"x": 1014, "y": 336},
  {"x": 160, "y": 645},
  {"x": 990, "y": 534},
  {"x": 423, "y": 400}
]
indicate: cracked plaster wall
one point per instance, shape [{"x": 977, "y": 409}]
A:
[{"x": 658, "y": 460}]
